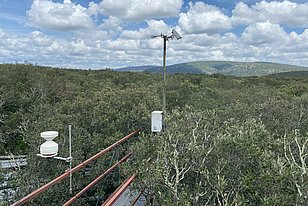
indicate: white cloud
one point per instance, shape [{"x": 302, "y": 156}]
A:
[
  {"x": 68, "y": 16},
  {"x": 46, "y": 45},
  {"x": 40, "y": 39},
  {"x": 93, "y": 9},
  {"x": 153, "y": 28},
  {"x": 122, "y": 45},
  {"x": 99, "y": 41},
  {"x": 78, "y": 47},
  {"x": 277, "y": 12},
  {"x": 297, "y": 43},
  {"x": 92, "y": 36},
  {"x": 203, "y": 18},
  {"x": 264, "y": 33},
  {"x": 58, "y": 16},
  {"x": 112, "y": 25},
  {"x": 78, "y": 53},
  {"x": 140, "y": 10},
  {"x": 2, "y": 34},
  {"x": 243, "y": 14}
]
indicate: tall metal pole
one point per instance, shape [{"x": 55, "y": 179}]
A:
[
  {"x": 174, "y": 35},
  {"x": 164, "y": 75},
  {"x": 70, "y": 155}
]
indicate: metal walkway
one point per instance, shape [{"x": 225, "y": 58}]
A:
[{"x": 129, "y": 198}]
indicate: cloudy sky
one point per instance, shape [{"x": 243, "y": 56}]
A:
[{"x": 117, "y": 33}]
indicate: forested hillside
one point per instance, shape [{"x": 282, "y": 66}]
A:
[
  {"x": 228, "y": 140},
  {"x": 299, "y": 74},
  {"x": 228, "y": 68}
]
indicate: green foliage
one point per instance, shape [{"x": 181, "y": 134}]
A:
[
  {"x": 228, "y": 140},
  {"x": 299, "y": 74},
  {"x": 200, "y": 160},
  {"x": 102, "y": 107}
]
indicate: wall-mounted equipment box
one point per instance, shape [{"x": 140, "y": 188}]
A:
[{"x": 157, "y": 121}]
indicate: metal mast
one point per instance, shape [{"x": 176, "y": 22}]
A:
[{"x": 174, "y": 35}]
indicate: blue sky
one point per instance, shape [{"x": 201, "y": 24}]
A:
[{"x": 111, "y": 34}]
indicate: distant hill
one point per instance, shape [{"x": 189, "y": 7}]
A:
[
  {"x": 222, "y": 67},
  {"x": 299, "y": 74},
  {"x": 137, "y": 68}
]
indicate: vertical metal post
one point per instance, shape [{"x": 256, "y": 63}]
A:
[
  {"x": 70, "y": 155},
  {"x": 164, "y": 75}
]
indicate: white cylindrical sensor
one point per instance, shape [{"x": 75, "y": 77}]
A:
[
  {"x": 49, "y": 149},
  {"x": 49, "y": 135}
]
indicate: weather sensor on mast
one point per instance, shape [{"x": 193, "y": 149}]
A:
[{"x": 174, "y": 35}]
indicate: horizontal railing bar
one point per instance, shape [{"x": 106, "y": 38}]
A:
[
  {"x": 119, "y": 191},
  {"x": 67, "y": 172},
  {"x": 96, "y": 180}
]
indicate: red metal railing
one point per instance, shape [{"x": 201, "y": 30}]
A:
[
  {"x": 75, "y": 169},
  {"x": 119, "y": 191},
  {"x": 96, "y": 181}
]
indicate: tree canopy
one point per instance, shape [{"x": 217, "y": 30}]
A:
[{"x": 228, "y": 140}]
